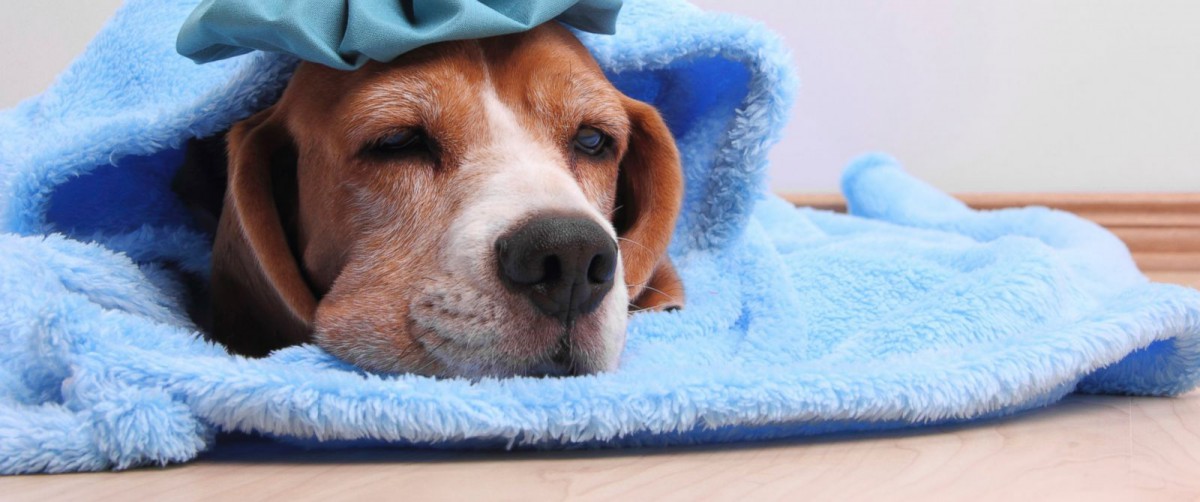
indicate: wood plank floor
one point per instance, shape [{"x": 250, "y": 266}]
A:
[{"x": 1085, "y": 448}]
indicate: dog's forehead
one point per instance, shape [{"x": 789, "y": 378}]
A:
[
  {"x": 546, "y": 68},
  {"x": 545, "y": 76}
]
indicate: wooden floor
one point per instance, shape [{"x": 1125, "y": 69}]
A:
[{"x": 1085, "y": 448}]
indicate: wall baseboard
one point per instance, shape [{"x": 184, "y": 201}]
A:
[{"x": 1161, "y": 229}]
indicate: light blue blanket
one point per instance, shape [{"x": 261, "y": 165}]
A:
[{"x": 915, "y": 310}]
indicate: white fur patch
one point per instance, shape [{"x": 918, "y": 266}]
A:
[{"x": 523, "y": 177}]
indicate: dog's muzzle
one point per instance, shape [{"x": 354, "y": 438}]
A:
[{"x": 563, "y": 265}]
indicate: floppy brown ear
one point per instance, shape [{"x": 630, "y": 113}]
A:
[
  {"x": 649, "y": 197},
  {"x": 261, "y": 301}
]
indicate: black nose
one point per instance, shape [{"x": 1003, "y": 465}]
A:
[{"x": 564, "y": 265}]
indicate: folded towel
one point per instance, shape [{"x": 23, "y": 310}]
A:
[{"x": 914, "y": 310}]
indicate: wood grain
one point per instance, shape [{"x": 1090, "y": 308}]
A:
[
  {"x": 1085, "y": 448},
  {"x": 1123, "y": 209}
]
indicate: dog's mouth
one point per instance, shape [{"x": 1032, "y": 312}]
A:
[
  {"x": 519, "y": 342},
  {"x": 538, "y": 351},
  {"x": 544, "y": 296}
]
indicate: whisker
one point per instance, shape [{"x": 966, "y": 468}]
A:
[
  {"x": 638, "y": 285},
  {"x": 659, "y": 291},
  {"x": 571, "y": 368},
  {"x": 417, "y": 343},
  {"x": 638, "y": 244},
  {"x": 431, "y": 358},
  {"x": 645, "y": 285}
]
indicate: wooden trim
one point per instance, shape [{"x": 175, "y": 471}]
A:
[{"x": 1161, "y": 229}]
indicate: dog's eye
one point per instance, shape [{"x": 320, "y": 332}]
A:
[
  {"x": 590, "y": 141},
  {"x": 404, "y": 141},
  {"x": 400, "y": 140}
]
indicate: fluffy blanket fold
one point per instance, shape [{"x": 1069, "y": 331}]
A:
[{"x": 914, "y": 310}]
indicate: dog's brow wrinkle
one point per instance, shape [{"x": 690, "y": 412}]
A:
[
  {"x": 390, "y": 102},
  {"x": 575, "y": 98}
]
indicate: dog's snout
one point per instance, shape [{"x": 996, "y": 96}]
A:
[{"x": 564, "y": 265}]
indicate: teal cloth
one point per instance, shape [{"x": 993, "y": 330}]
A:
[{"x": 346, "y": 34}]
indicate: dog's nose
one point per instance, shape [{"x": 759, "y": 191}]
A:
[{"x": 565, "y": 265}]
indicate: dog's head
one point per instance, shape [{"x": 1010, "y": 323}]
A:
[{"x": 477, "y": 208}]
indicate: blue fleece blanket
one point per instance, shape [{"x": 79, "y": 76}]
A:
[{"x": 914, "y": 310}]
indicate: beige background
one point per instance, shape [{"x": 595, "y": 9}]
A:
[{"x": 1012, "y": 95}]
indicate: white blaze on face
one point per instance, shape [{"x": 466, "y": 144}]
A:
[{"x": 524, "y": 177}]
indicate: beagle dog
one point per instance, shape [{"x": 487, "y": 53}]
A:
[{"x": 478, "y": 208}]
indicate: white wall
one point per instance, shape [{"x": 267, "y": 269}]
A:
[
  {"x": 994, "y": 95},
  {"x": 38, "y": 38},
  {"x": 981, "y": 95}
]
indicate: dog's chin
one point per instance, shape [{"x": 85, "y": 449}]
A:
[
  {"x": 517, "y": 341},
  {"x": 472, "y": 335}
]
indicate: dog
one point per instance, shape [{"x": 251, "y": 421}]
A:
[{"x": 482, "y": 208}]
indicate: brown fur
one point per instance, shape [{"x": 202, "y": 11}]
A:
[{"x": 316, "y": 238}]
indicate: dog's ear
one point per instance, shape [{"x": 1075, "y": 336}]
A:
[
  {"x": 649, "y": 196},
  {"x": 261, "y": 301}
]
